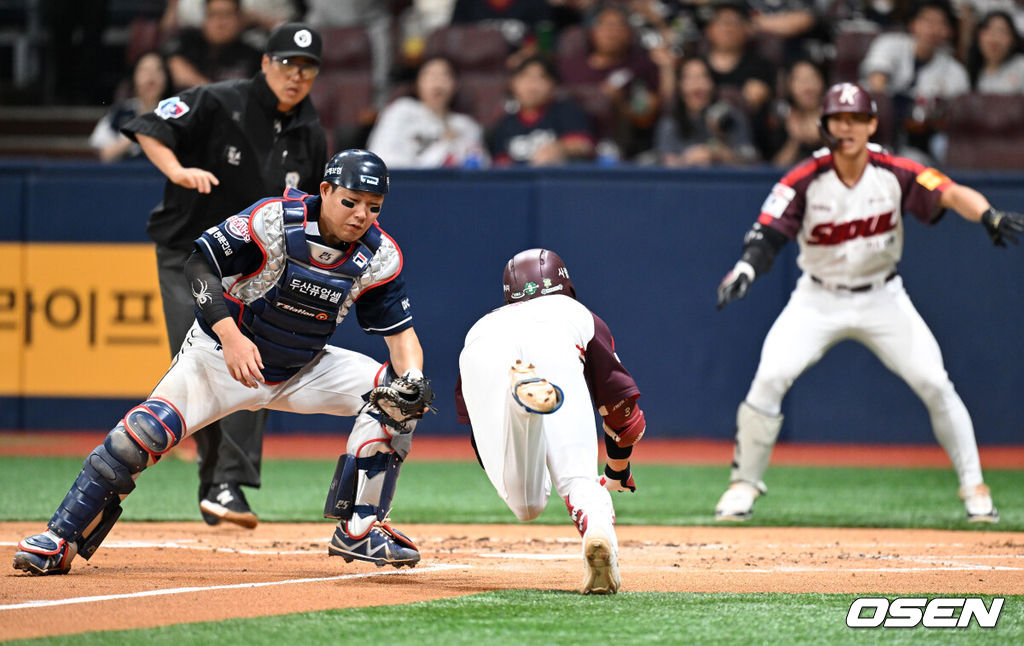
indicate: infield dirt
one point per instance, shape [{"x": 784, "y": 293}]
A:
[{"x": 150, "y": 574}]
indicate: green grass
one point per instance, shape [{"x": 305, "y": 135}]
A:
[
  {"x": 544, "y": 617},
  {"x": 30, "y": 488},
  {"x": 459, "y": 492}
]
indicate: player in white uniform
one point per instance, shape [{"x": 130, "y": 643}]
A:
[
  {"x": 845, "y": 207},
  {"x": 271, "y": 284},
  {"x": 530, "y": 431}
]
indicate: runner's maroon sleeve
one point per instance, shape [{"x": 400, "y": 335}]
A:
[
  {"x": 922, "y": 187},
  {"x": 608, "y": 380},
  {"x": 461, "y": 412}
]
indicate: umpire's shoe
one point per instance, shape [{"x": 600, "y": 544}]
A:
[
  {"x": 44, "y": 554},
  {"x": 226, "y": 501},
  {"x": 381, "y": 545}
]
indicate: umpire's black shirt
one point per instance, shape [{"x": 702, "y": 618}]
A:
[{"x": 234, "y": 130}]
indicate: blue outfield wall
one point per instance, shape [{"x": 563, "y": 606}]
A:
[{"x": 646, "y": 248}]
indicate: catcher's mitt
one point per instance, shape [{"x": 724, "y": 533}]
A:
[{"x": 405, "y": 398}]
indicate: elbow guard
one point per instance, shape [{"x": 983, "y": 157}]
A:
[
  {"x": 624, "y": 422},
  {"x": 760, "y": 246}
]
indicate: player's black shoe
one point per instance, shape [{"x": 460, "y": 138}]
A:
[
  {"x": 209, "y": 519},
  {"x": 225, "y": 501}
]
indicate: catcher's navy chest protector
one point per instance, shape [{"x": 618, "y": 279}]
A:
[{"x": 294, "y": 319}]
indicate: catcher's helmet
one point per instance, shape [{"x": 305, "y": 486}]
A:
[
  {"x": 845, "y": 97},
  {"x": 358, "y": 170},
  {"x": 536, "y": 272}
]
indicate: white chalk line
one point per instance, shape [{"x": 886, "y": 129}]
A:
[
  {"x": 235, "y": 586},
  {"x": 798, "y": 569},
  {"x": 529, "y": 557},
  {"x": 193, "y": 544}
]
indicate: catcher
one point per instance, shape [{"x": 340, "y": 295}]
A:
[
  {"x": 528, "y": 374},
  {"x": 271, "y": 284}
]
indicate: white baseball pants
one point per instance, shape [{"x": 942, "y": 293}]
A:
[
  {"x": 884, "y": 320},
  {"x": 200, "y": 387},
  {"x": 525, "y": 453}
]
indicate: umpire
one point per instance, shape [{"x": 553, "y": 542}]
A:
[{"x": 222, "y": 147}]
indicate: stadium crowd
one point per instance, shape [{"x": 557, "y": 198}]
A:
[{"x": 680, "y": 83}]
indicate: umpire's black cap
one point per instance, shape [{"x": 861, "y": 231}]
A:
[{"x": 295, "y": 39}]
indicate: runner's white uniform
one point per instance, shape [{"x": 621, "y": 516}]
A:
[{"x": 524, "y": 453}]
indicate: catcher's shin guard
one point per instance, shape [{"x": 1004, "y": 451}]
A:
[
  {"x": 342, "y": 494},
  {"x": 92, "y": 505},
  {"x": 756, "y": 433},
  {"x": 363, "y": 488}
]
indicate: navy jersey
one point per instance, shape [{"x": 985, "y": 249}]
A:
[
  {"x": 382, "y": 306},
  {"x": 518, "y": 136}
]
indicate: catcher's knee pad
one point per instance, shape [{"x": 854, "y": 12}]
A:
[
  {"x": 106, "y": 475},
  {"x": 155, "y": 425}
]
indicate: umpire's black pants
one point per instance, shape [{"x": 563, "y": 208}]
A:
[{"x": 231, "y": 449}]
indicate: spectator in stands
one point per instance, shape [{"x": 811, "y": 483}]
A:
[
  {"x": 699, "y": 129},
  {"x": 373, "y": 15},
  {"x": 995, "y": 63},
  {"x": 916, "y": 70},
  {"x": 625, "y": 73},
  {"x": 741, "y": 74},
  {"x": 415, "y": 23},
  {"x": 423, "y": 131},
  {"x": 797, "y": 115},
  {"x": 523, "y": 23},
  {"x": 265, "y": 15},
  {"x": 214, "y": 53},
  {"x": 794, "y": 23},
  {"x": 148, "y": 84},
  {"x": 737, "y": 69},
  {"x": 542, "y": 130}
]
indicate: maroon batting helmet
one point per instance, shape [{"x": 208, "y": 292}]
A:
[
  {"x": 533, "y": 273},
  {"x": 845, "y": 97}
]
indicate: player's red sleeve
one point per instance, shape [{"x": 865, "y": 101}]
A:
[
  {"x": 607, "y": 379},
  {"x": 461, "y": 411}
]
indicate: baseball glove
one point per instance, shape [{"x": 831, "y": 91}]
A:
[
  {"x": 405, "y": 398},
  {"x": 1002, "y": 226}
]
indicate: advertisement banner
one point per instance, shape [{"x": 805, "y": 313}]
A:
[{"x": 80, "y": 320}]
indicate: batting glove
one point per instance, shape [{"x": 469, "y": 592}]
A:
[
  {"x": 736, "y": 283},
  {"x": 1002, "y": 226}
]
